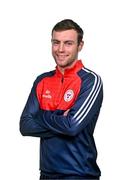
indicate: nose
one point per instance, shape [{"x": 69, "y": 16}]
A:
[{"x": 61, "y": 47}]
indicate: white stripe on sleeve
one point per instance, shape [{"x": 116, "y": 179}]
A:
[{"x": 86, "y": 106}]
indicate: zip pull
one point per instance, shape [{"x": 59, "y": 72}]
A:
[{"x": 62, "y": 79}]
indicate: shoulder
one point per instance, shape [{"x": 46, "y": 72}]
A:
[
  {"x": 43, "y": 75},
  {"x": 87, "y": 74},
  {"x": 89, "y": 78}
]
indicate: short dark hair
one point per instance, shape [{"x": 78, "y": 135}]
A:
[{"x": 67, "y": 24}]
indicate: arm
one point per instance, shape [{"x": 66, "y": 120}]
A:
[
  {"x": 31, "y": 117},
  {"x": 85, "y": 110}
]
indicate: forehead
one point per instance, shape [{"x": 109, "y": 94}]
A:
[{"x": 65, "y": 35}]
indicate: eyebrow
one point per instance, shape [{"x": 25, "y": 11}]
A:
[
  {"x": 52, "y": 40},
  {"x": 56, "y": 40}
]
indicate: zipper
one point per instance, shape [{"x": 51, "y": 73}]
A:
[
  {"x": 60, "y": 89},
  {"x": 62, "y": 79}
]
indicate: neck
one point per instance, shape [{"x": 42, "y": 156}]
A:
[{"x": 62, "y": 69}]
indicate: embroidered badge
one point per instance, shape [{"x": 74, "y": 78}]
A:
[{"x": 68, "y": 95}]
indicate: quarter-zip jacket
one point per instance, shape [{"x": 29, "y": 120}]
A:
[{"x": 67, "y": 143}]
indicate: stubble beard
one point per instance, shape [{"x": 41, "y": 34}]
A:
[{"x": 66, "y": 64}]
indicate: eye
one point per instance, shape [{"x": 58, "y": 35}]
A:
[
  {"x": 69, "y": 43},
  {"x": 55, "y": 42}
]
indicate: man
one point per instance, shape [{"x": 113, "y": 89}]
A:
[{"x": 62, "y": 109}]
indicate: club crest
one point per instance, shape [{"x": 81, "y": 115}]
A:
[{"x": 68, "y": 95}]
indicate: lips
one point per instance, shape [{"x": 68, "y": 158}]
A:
[{"x": 61, "y": 56}]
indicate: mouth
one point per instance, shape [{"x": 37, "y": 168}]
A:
[{"x": 61, "y": 57}]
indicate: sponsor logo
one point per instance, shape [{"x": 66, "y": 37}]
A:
[
  {"x": 47, "y": 94},
  {"x": 68, "y": 95}
]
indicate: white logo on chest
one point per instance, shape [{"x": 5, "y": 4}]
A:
[
  {"x": 68, "y": 95},
  {"x": 47, "y": 94}
]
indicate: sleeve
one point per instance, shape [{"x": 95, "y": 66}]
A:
[
  {"x": 31, "y": 117},
  {"x": 84, "y": 111}
]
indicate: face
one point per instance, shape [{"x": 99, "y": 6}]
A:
[{"x": 65, "y": 48}]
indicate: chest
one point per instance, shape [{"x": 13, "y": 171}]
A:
[{"x": 58, "y": 93}]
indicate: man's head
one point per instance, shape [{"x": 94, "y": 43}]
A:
[
  {"x": 68, "y": 24},
  {"x": 66, "y": 43}
]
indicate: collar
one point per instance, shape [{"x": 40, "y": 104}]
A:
[{"x": 68, "y": 72}]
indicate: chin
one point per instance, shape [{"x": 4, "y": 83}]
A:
[{"x": 61, "y": 64}]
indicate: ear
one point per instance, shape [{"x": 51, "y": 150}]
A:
[{"x": 80, "y": 46}]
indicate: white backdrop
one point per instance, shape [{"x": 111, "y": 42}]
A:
[{"x": 25, "y": 52}]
